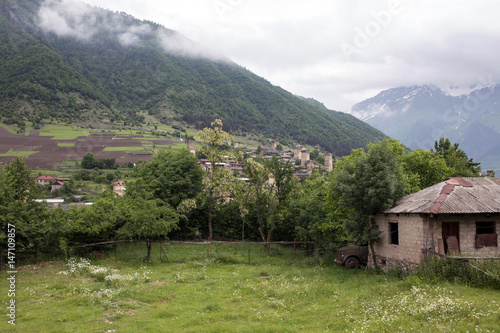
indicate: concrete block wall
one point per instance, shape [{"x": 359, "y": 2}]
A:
[
  {"x": 467, "y": 234},
  {"x": 413, "y": 236}
]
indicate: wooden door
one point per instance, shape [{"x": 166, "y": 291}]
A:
[{"x": 451, "y": 237}]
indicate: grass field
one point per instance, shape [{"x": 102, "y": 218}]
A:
[
  {"x": 63, "y": 132},
  {"x": 18, "y": 153},
  {"x": 221, "y": 292},
  {"x": 131, "y": 148}
]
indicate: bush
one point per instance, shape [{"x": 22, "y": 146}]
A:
[{"x": 474, "y": 273}]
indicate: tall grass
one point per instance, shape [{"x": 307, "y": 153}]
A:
[
  {"x": 474, "y": 273},
  {"x": 221, "y": 292}
]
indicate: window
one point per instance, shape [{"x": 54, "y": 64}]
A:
[
  {"x": 393, "y": 233},
  {"x": 486, "y": 235}
]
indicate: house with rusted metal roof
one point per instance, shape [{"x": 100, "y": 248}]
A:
[{"x": 460, "y": 216}]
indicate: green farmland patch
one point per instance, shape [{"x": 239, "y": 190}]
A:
[
  {"x": 128, "y": 149},
  {"x": 19, "y": 153},
  {"x": 62, "y": 132}
]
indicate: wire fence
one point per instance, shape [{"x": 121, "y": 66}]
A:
[
  {"x": 223, "y": 251},
  {"x": 185, "y": 251}
]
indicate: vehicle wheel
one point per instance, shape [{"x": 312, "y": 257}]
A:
[{"x": 352, "y": 263}]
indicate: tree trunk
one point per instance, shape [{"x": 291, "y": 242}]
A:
[
  {"x": 148, "y": 245},
  {"x": 243, "y": 230},
  {"x": 370, "y": 243},
  {"x": 210, "y": 217}
]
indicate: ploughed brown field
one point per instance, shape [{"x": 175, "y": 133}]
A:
[{"x": 49, "y": 155}]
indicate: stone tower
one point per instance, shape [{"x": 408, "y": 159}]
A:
[
  {"x": 329, "y": 162},
  {"x": 310, "y": 166},
  {"x": 191, "y": 146},
  {"x": 273, "y": 145},
  {"x": 297, "y": 152},
  {"x": 305, "y": 157}
]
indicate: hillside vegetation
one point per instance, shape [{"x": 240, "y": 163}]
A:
[{"x": 103, "y": 62}]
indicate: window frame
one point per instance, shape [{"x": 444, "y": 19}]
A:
[
  {"x": 393, "y": 232},
  {"x": 486, "y": 239}
]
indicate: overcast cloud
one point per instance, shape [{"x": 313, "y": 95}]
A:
[{"x": 340, "y": 52}]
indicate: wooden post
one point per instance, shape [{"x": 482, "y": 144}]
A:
[
  {"x": 161, "y": 248},
  {"x": 294, "y": 251},
  {"x": 208, "y": 249},
  {"x": 36, "y": 254},
  {"x": 1, "y": 256},
  {"x": 249, "y": 253},
  {"x": 115, "y": 246}
]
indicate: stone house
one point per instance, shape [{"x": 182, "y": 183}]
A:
[
  {"x": 119, "y": 187},
  {"x": 57, "y": 185},
  {"x": 460, "y": 216}
]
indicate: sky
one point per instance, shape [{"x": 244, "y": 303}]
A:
[{"x": 341, "y": 52}]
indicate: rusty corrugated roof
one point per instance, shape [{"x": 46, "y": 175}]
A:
[{"x": 473, "y": 195}]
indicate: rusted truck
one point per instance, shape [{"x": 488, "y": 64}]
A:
[{"x": 352, "y": 256}]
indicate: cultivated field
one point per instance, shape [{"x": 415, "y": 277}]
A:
[
  {"x": 221, "y": 292},
  {"x": 48, "y": 148}
]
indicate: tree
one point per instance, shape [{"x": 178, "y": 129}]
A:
[
  {"x": 457, "y": 159},
  {"x": 270, "y": 183},
  {"x": 424, "y": 168},
  {"x": 220, "y": 181},
  {"x": 306, "y": 211},
  {"x": 18, "y": 191},
  {"x": 88, "y": 161},
  {"x": 97, "y": 222},
  {"x": 146, "y": 218},
  {"x": 172, "y": 176},
  {"x": 369, "y": 182}
]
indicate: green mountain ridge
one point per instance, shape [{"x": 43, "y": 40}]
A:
[{"x": 58, "y": 64}]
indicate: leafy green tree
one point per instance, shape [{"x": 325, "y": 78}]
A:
[
  {"x": 369, "y": 182},
  {"x": 270, "y": 183},
  {"x": 172, "y": 176},
  {"x": 306, "y": 211},
  {"x": 424, "y": 168},
  {"x": 89, "y": 161},
  {"x": 18, "y": 190},
  {"x": 93, "y": 223},
  {"x": 146, "y": 218},
  {"x": 456, "y": 159},
  {"x": 220, "y": 181}
]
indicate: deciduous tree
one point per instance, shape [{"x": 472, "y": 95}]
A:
[
  {"x": 369, "y": 182},
  {"x": 172, "y": 176},
  {"x": 220, "y": 181}
]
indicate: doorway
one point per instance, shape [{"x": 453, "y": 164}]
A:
[{"x": 451, "y": 237}]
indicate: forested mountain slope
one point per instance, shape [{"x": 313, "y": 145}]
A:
[{"x": 60, "y": 59}]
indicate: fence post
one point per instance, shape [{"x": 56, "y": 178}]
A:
[
  {"x": 115, "y": 246},
  {"x": 208, "y": 249},
  {"x": 36, "y": 254},
  {"x": 1, "y": 256},
  {"x": 248, "y": 253},
  {"x": 294, "y": 251}
]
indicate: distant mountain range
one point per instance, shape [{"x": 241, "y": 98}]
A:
[
  {"x": 65, "y": 60},
  {"x": 420, "y": 115}
]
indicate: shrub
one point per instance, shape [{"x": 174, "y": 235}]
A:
[{"x": 475, "y": 273}]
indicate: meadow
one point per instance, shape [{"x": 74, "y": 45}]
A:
[{"x": 216, "y": 289}]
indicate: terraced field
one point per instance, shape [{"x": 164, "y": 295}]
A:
[{"x": 49, "y": 147}]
